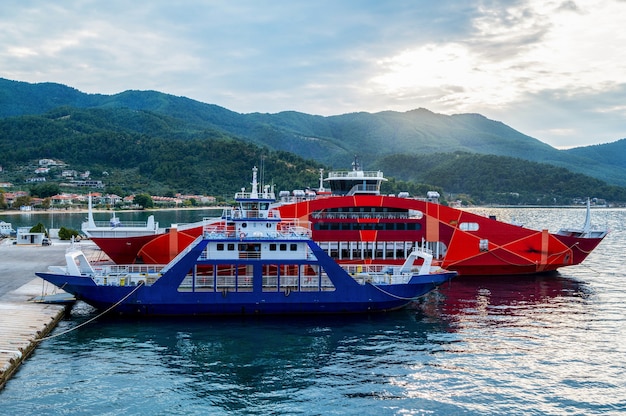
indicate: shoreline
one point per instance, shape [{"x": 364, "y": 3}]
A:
[
  {"x": 100, "y": 210},
  {"x": 12, "y": 213},
  {"x": 24, "y": 321}
]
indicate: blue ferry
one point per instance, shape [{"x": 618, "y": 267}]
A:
[{"x": 252, "y": 263}]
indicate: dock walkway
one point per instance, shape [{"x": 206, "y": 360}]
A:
[{"x": 22, "y": 321}]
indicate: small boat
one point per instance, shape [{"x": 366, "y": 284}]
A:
[
  {"x": 134, "y": 234},
  {"x": 254, "y": 262}
]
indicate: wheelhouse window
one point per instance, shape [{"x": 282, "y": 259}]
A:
[{"x": 249, "y": 250}]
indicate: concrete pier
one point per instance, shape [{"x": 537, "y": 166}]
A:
[{"x": 23, "y": 321}]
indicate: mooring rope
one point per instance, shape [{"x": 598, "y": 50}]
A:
[
  {"x": 44, "y": 286},
  {"x": 589, "y": 268},
  {"x": 577, "y": 246},
  {"x": 394, "y": 296},
  {"x": 141, "y": 283}
]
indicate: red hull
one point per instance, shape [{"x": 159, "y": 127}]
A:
[
  {"x": 384, "y": 228},
  {"x": 123, "y": 250},
  {"x": 473, "y": 244}
]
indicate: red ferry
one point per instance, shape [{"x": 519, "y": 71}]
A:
[{"x": 353, "y": 222}]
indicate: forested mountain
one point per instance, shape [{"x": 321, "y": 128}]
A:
[
  {"x": 488, "y": 178},
  {"x": 134, "y": 130},
  {"x": 139, "y": 151},
  {"x": 605, "y": 161}
]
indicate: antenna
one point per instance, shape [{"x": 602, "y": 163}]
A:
[
  {"x": 262, "y": 173},
  {"x": 355, "y": 165}
]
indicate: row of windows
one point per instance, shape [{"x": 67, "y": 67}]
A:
[
  {"x": 366, "y": 209},
  {"x": 381, "y": 226},
  {"x": 255, "y": 247},
  {"x": 285, "y": 278}
]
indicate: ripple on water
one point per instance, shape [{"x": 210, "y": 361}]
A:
[{"x": 529, "y": 345}]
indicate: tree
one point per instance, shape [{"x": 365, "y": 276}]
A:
[
  {"x": 46, "y": 203},
  {"x": 45, "y": 190},
  {"x": 39, "y": 228},
  {"x": 117, "y": 190},
  {"x": 144, "y": 201},
  {"x": 21, "y": 201},
  {"x": 67, "y": 233}
]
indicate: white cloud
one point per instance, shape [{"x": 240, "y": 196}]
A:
[
  {"x": 20, "y": 52},
  {"x": 543, "y": 67},
  {"x": 514, "y": 54}
]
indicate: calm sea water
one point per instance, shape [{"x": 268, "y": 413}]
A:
[
  {"x": 536, "y": 345},
  {"x": 73, "y": 220}
]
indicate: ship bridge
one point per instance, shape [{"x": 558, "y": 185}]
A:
[{"x": 356, "y": 181}]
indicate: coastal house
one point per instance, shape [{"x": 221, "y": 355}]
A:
[
  {"x": 6, "y": 229},
  {"x": 201, "y": 199},
  {"x": 89, "y": 183},
  {"x": 10, "y": 197},
  {"x": 50, "y": 162},
  {"x": 63, "y": 200},
  {"x": 166, "y": 201},
  {"x": 98, "y": 198},
  {"x": 25, "y": 237}
]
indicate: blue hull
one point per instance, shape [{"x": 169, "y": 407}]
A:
[
  {"x": 265, "y": 271},
  {"x": 152, "y": 301},
  {"x": 254, "y": 264}
]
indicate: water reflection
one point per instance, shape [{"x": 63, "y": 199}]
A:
[
  {"x": 502, "y": 294},
  {"x": 285, "y": 364},
  {"x": 530, "y": 303},
  {"x": 252, "y": 363},
  {"x": 537, "y": 344},
  {"x": 73, "y": 220}
]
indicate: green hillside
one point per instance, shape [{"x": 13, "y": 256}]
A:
[
  {"x": 330, "y": 140},
  {"x": 499, "y": 179},
  {"x": 140, "y": 151},
  {"x": 606, "y": 161},
  {"x": 165, "y": 139}
]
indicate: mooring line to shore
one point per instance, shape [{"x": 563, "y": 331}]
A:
[
  {"x": 394, "y": 296},
  {"x": 590, "y": 268},
  {"x": 109, "y": 309}
]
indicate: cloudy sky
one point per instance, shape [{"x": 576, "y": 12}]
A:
[{"x": 552, "y": 69}]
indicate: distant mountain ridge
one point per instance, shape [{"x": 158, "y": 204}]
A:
[{"x": 332, "y": 140}]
